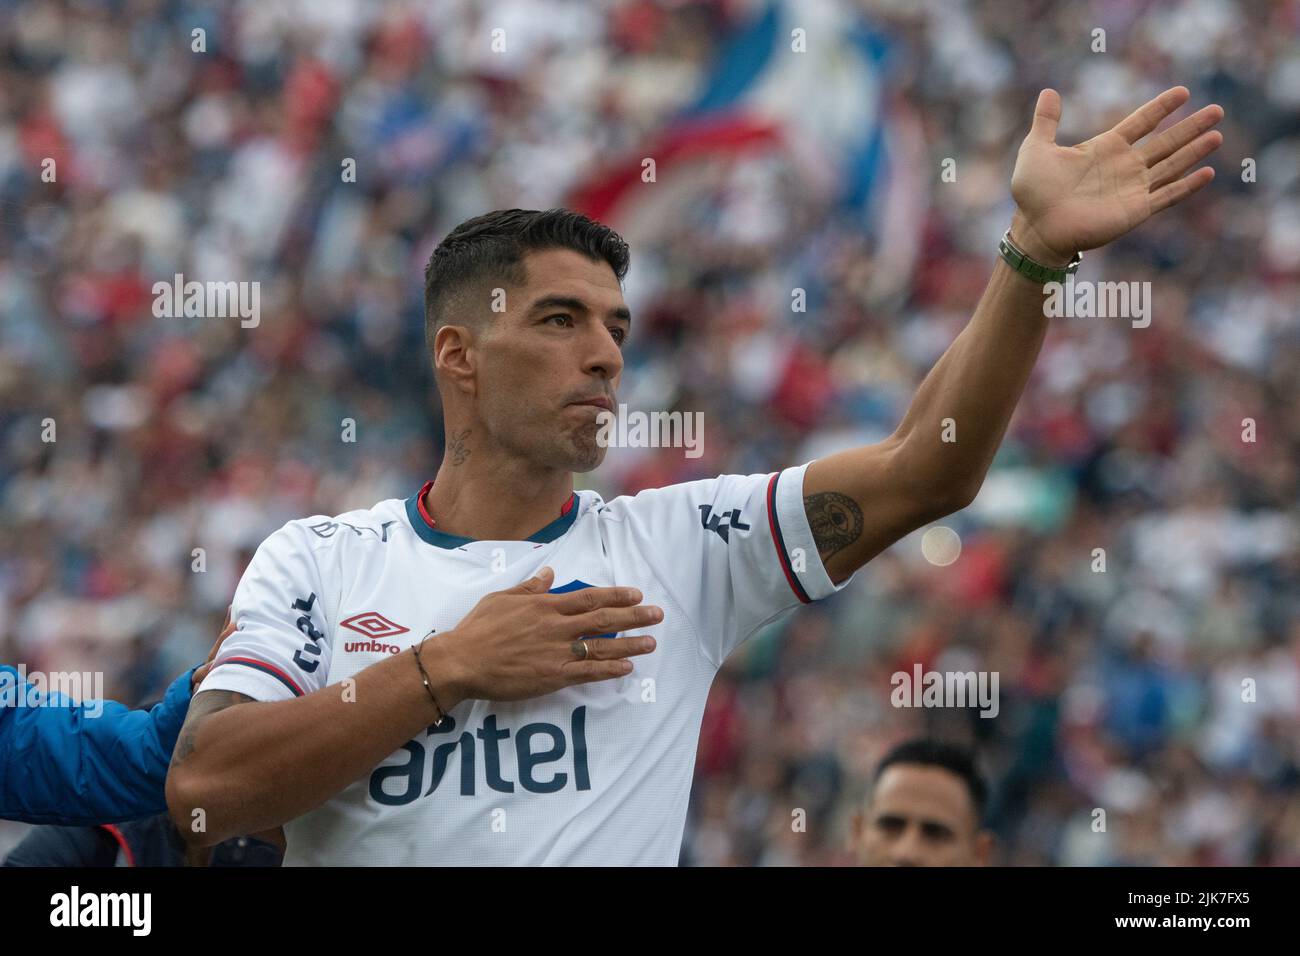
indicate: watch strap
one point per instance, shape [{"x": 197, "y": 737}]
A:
[{"x": 1020, "y": 262}]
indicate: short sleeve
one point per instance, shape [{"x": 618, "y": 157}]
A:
[
  {"x": 281, "y": 647},
  {"x": 735, "y": 551}
]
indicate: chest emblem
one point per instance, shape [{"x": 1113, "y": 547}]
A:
[{"x": 576, "y": 585}]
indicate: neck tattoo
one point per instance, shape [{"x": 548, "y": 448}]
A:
[{"x": 457, "y": 448}]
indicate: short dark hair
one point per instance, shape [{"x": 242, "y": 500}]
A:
[
  {"x": 954, "y": 758},
  {"x": 491, "y": 248}
]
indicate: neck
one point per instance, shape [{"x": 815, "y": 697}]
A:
[{"x": 483, "y": 493}]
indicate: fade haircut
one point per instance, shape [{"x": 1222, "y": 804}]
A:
[{"x": 487, "y": 252}]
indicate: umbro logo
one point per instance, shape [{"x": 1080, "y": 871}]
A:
[
  {"x": 721, "y": 523},
  {"x": 373, "y": 625}
]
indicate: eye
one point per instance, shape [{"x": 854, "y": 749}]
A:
[
  {"x": 891, "y": 825},
  {"x": 563, "y": 316},
  {"x": 620, "y": 335},
  {"x": 936, "y": 832}
]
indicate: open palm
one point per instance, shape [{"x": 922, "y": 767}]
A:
[{"x": 1073, "y": 198}]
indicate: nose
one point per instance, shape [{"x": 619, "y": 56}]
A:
[
  {"x": 602, "y": 356},
  {"x": 906, "y": 850}
]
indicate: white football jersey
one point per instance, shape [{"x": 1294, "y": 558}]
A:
[{"x": 594, "y": 774}]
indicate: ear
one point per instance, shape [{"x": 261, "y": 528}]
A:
[
  {"x": 453, "y": 358},
  {"x": 984, "y": 845}
]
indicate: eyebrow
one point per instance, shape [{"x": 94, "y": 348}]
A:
[
  {"x": 576, "y": 305},
  {"x": 935, "y": 828},
  {"x": 926, "y": 823}
]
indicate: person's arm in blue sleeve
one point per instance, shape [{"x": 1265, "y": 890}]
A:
[
  {"x": 90, "y": 762},
  {"x": 86, "y": 763}
]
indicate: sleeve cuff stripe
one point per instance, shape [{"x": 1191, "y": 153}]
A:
[
  {"x": 779, "y": 540},
  {"x": 265, "y": 668}
]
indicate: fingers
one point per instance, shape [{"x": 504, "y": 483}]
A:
[
  {"x": 592, "y": 599},
  {"x": 1148, "y": 116},
  {"x": 617, "y": 648},
  {"x": 1176, "y": 192},
  {"x": 1164, "y": 173},
  {"x": 1180, "y": 134},
  {"x": 227, "y": 628},
  {"x": 612, "y": 620},
  {"x": 539, "y": 583},
  {"x": 585, "y": 672},
  {"x": 1047, "y": 114},
  {"x": 1177, "y": 149}
]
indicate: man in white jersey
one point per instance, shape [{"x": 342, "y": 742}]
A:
[{"x": 499, "y": 670}]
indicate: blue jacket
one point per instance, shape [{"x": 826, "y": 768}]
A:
[{"x": 63, "y": 764}]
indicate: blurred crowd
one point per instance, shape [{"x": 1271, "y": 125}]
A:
[{"x": 1131, "y": 569}]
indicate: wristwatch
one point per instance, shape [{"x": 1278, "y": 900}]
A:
[{"x": 1026, "y": 266}]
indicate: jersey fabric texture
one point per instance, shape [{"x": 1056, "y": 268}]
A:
[{"x": 596, "y": 774}]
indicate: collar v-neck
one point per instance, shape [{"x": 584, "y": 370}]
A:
[{"x": 423, "y": 524}]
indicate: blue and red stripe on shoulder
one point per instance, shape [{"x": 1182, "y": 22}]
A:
[
  {"x": 779, "y": 540},
  {"x": 265, "y": 668}
]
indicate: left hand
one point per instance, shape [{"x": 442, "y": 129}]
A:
[
  {"x": 201, "y": 672},
  {"x": 1073, "y": 198}
]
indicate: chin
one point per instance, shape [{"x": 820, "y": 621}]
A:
[
  {"x": 586, "y": 462},
  {"x": 585, "y": 453}
]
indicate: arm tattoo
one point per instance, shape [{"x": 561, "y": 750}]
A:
[
  {"x": 458, "y": 449},
  {"x": 203, "y": 705},
  {"x": 835, "y": 519}
]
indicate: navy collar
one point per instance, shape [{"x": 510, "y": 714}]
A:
[{"x": 423, "y": 524}]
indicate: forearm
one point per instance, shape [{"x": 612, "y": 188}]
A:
[
  {"x": 976, "y": 383},
  {"x": 257, "y": 765},
  {"x": 1068, "y": 199}
]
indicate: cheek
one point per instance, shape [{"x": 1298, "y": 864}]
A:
[
  {"x": 875, "y": 837},
  {"x": 520, "y": 395},
  {"x": 515, "y": 378},
  {"x": 533, "y": 371}
]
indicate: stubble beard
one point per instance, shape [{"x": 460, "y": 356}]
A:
[{"x": 551, "y": 445}]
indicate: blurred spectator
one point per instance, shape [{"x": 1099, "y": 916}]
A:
[{"x": 925, "y": 808}]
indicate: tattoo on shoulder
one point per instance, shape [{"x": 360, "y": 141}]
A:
[
  {"x": 203, "y": 705},
  {"x": 835, "y": 519}
]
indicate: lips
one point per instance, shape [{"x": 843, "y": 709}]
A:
[{"x": 601, "y": 403}]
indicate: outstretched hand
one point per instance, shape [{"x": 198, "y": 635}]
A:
[{"x": 1073, "y": 198}]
